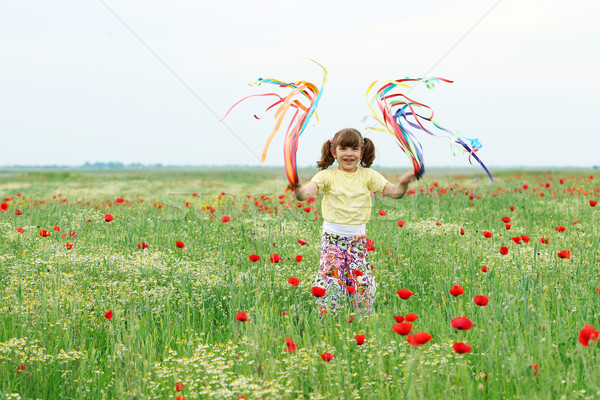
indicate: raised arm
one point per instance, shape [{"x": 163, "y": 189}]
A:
[
  {"x": 397, "y": 191},
  {"x": 306, "y": 191}
]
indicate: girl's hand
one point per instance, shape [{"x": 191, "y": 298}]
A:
[{"x": 408, "y": 177}]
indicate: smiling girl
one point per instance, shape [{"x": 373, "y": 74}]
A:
[{"x": 346, "y": 208}]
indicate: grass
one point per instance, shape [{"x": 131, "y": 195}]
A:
[{"x": 174, "y": 309}]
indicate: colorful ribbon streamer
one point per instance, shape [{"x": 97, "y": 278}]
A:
[
  {"x": 397, "y": 114},
  {"x": 299, "y": 121}
]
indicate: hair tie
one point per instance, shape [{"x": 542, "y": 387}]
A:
[{"x": 331, "y": 140}]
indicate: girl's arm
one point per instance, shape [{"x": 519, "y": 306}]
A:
[
  {"x": 397, "y": 191},
  {"x": 306, "y": 191}
]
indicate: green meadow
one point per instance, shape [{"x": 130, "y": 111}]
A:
[{"x": 88, "y": 311}]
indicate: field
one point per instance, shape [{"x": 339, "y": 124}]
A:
[{"x": 88, "y": 311}]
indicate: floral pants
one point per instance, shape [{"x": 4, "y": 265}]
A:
[{"x": 345, "y": 274}]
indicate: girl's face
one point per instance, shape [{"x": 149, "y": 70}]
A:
[{"x": 347, "y": 157}]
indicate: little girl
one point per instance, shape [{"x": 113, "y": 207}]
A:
[{"x": 346, "y": 208}]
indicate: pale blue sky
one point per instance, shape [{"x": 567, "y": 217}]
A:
[{"x": 77, "y": 86}]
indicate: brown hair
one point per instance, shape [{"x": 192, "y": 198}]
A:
[{"x": 348, "y": 137}]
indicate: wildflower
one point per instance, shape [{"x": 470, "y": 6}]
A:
[
  {"x": 275, "y": 258},
  {"x": 402, "y": 328},
  {"x": 108, "y": 314},
  {"x": 399, "y": 318},
  {"x": 535, "y": 368},
  {"x": 400, "y": 223},
  {"x": 327, "y": 357},
  {"x": 525, "y": 238},
  {"x": 44, "y": 233},
  {"x": 293, "y": 281},
  {"x": 356, "y": 272},
  {"x": 456, "y": 290},
  {"x": 290, "y": 345},
  {"x": 559, "y": 228},
  {"x": 108, "y": 218},
  {"x": 179, "y": 386},
  {"x": 225, "y": 219},
  {"x": 587, "y": 334},
  {"x": 382, "y": 213},
  {"x": 20, "y": 230},
  {"x": 462, "y": 231},
  {"x": 69, "y": 246},
  {"x": 487, "y": 234},
  {"x": 481, "y": 300},
  {"x": 507, "y": 226},
  {"x": 302, "y": 242},
  {"x": 298, "y": 258},
  {"x": 512, "y": 208},
  {"x": 350, "y": 319},
  {"x": 404, "y": 293},
  {"x": 506, "y": 220},
  {"x": 419, "y": 338},
  {"x": 56, "y": 229},
  {"x": 254, "y": 257},
  {"x": 484, "y": 269},
  {"x": 318, "y": 291},
  {"x": 179, "y": 244},
  {"x": 516, "y": 239},
  {"x": 18, "y": 212},
  {"x": 410, "y": 317},
  {"x": 592, "y": 203},
  {"x": 351, "y": 289},
  {"x": 360, "y": 339},
  {"x": 544, "y": 240},
  {"x": 564, "y": 254},
  {"x": 21, "y": 368},
  {"x": 142, "y": 246},
  {"x": 461, "y": 347},
  {"x": 461, "y": 323},
  {"x": 241, "y": 316},
  {"x": 3, "y": 206},
  {"x": 504, "y": 250}
]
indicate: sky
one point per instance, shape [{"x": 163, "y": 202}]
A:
[{"x": 147, "y": 81}]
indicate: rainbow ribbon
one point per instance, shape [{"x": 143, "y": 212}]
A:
[
  {"x": 299, "y": 120},
  {"x": 397, "y": 114}
]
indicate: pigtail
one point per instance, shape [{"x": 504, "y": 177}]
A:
[
  {"x": 368, "y": 155},
  {"x": 326, "y": 156}
]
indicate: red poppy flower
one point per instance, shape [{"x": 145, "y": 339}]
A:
[
  {"x": 69, "y": 246},
  {"x": 327, "y": 357},
  {"x": 142, "y": 246},
  {"x": 318, "y": 291},
  {"x": 461, "y": 347},
  {"x": 484, "y": 269},
  {"x": 535, "y": 368},
  {"x": 294, "y": 281},
  {"x": 241, "y": 316},
  {"x": 302, "y": 242},
  {"x": 3, "y": 206},
  {"x": 512, "y": 208},
  {"x": 351, "y": 289},
  {"x": 402, "y": 328},
  {"x": 290, "y": 345},
  {"x": 18, "y": 212},
  {"x": 225, "y": 219},
  {"x": 180, "y": 398},
  {"x": 21, "y": 368},
  {"x": 487, "y": 234},
  {"x": 275, "y": 258},
  {"x": 593, "y": 203},
  {"x": 108, "y": 218},
  {"x": 544, "y": 240},
  {"x": 179, "y": 386},
  {"x": 356, "y": 272},
  {"x": 298, "y": 258},
  {"x": 419, "y": 338},
  {"x": 254, "y": 257},
  {"x": 404, "y": 293},
  {"x": 507, "y": 226},
  {"x": 179, "y": 244},
  {"x": 462, "y": 231},
  {"x": 456, "y": 290},
  {"x": 399, "y": 318},
  {"x": 559, "y": 228},
  {"x": 350, "y": 319},
  {"x": 360, "y": 339},
  {"x": 525, "y": 238},
  {"x": 400, "y": 223},
  {"x": 410, "y": 317},
  {"x": 504, "y": 250},
  {"x": 20, "y": 230},
  {"x": 307, "y": 209},
  {"x": 587, "y": 334},
  {"x": 108, "y": 314},
  {"x": 56, "y": 229},
  {"x": 44, "y": 233},
  {"x": 461, "y": 323},
  {"x": 564, "y": 254},
  {"x": 516, "y": 239},
  {"x": 370, "y": 245},
  {"x": 506, "y": 220},
  {"x": 481, "y": 300}
]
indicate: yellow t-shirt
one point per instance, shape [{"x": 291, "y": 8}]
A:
[{"x": 347, "y": 195}]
